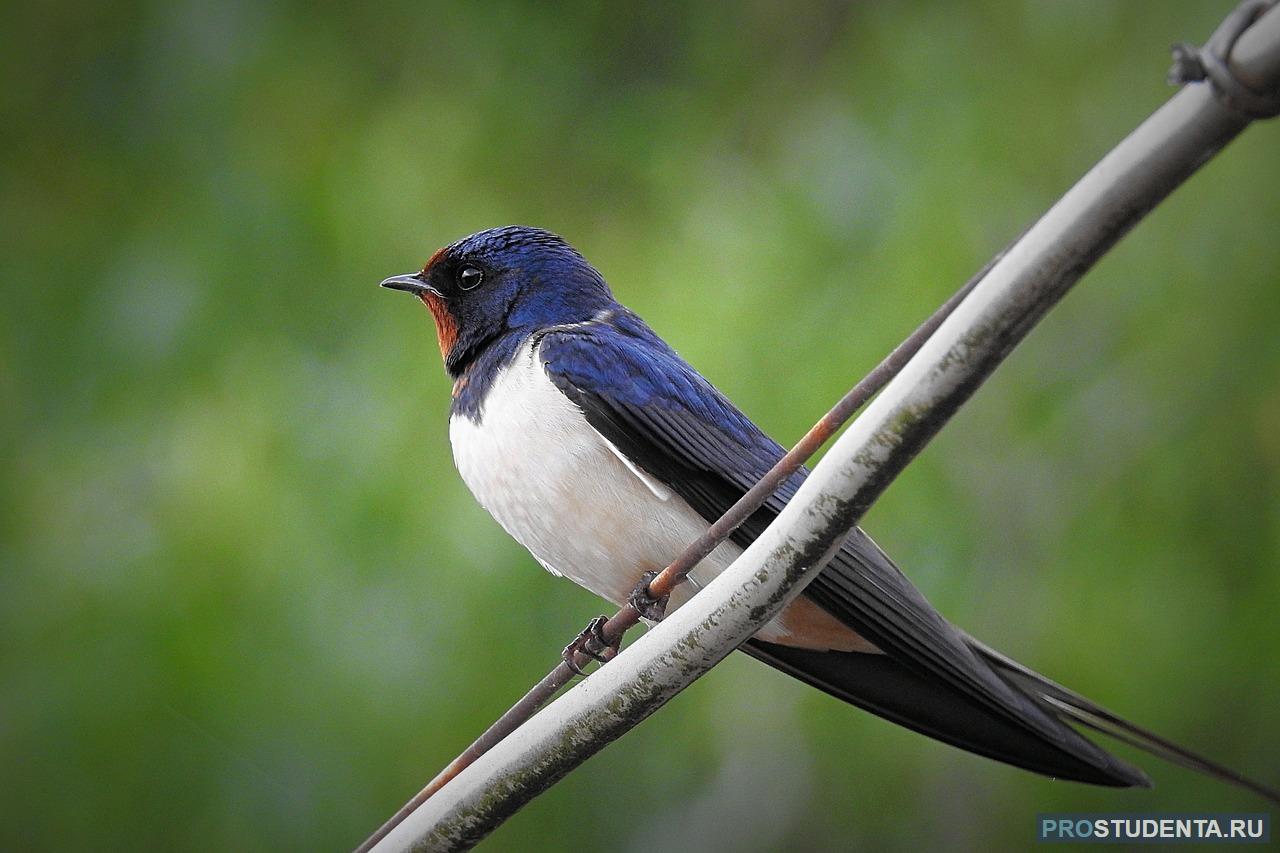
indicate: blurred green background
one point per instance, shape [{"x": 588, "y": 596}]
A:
[{"x": 245, "y": 601}]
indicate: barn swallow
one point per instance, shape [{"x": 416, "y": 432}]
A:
[{"x": 604, "y": 453}]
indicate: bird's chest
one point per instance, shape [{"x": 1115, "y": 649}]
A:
[{"x": 561, "y": 490}]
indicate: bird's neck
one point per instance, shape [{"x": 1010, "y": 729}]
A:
[
  {"x": 473, "y": 380},
  {"x": 475, "y": 360}
]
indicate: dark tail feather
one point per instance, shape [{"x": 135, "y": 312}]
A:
[
  {"x": 1069, "y": 705},
  {"x": 881, "y": 685}
]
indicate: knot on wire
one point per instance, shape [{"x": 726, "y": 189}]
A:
[{"x": 1193, "y": 64}]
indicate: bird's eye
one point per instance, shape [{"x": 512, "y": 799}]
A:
[{"x": 469, "y": 278}]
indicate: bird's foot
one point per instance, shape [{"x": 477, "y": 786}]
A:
[
  {"x": 590, "y": 642},
  {"x": 642, "y": 600}
]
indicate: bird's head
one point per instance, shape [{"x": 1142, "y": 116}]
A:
[{"x": 499, "y": 281}]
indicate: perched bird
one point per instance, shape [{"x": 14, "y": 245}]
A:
[{"x": 604, "y": 453}]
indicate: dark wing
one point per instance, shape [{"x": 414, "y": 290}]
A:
[{"x": 659, "y": 412}]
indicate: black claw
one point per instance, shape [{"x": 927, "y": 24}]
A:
[
  {"x": 649, "y": 607},
  {"x": 568, "y": 656},
  {"x": 590, "y": 642}
]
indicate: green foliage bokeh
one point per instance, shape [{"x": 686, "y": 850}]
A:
[{"x": 246, "y": 603}]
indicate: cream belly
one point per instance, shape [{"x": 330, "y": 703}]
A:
[{"x": 584, "y": 512}]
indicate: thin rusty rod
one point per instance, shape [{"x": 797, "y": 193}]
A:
[
  {"x": 818, "y": 435},
  {"x": 675, "y": 573}
]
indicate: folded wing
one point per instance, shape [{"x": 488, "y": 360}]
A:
[{"x": 671, "y": 423}]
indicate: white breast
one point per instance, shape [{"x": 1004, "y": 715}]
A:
[{"x": 562, "y": 491}]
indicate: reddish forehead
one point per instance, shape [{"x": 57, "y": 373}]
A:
[{"x": 432, "y": 260}]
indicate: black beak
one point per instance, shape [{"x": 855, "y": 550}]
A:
[{"x": 410, "y": 283}]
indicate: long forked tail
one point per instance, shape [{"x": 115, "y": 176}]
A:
[
  {"x": 885, "y": 687},
  {"x": 1071, "y": 706},
  {"x": 1030, "y": 736}
]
